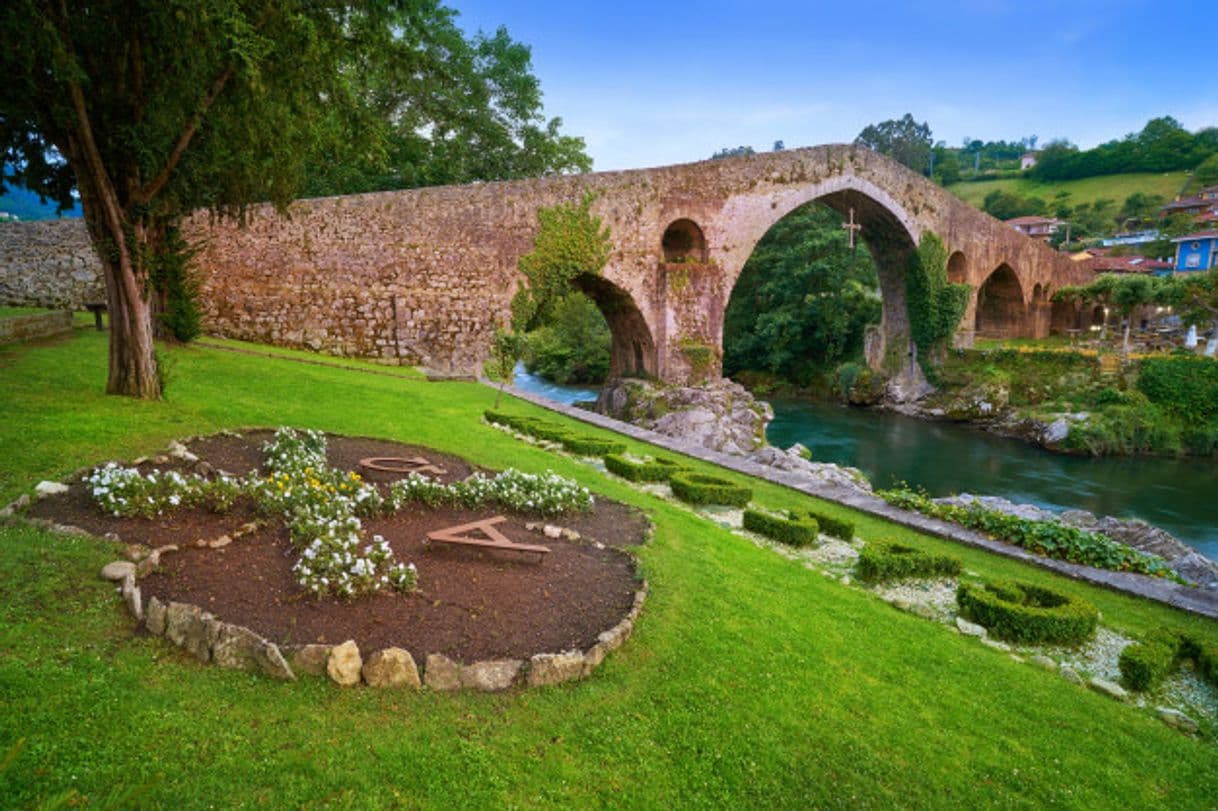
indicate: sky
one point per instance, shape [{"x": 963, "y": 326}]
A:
[{"x": 656, "y": 83}]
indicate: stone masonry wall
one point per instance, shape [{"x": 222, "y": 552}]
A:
[
  {"x": 49, "y": 263},
  {"x": 424, "y": 276}
]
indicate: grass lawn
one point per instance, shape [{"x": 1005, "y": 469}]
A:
[
  {"x": 750, "y": 680},
  {"x": 1084, "y": 190},
  {"x": 9, "y": 312}
]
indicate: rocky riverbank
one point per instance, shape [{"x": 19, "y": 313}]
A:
[
  {"x": 720, "y": 415},
  {"x": 1134, "y": 532}
]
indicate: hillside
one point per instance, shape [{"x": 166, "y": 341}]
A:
[{"x": 1084, "y": 190}]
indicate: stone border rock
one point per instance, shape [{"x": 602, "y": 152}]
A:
[{"x": 214, "y": 641}]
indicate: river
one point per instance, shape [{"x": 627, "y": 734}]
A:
[{"x": 1179, "y": 495}]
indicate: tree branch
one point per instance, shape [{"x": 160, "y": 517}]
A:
[{"x": 153, "y": 187}]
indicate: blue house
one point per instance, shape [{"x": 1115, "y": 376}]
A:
[{"x": 1196, "y": 251}]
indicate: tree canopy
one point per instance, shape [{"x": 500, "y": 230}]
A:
[
  {"x": 1163, "y": 145},
  {"x": 902, "y": 139}
]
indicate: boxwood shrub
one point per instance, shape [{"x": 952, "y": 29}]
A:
[
  {"x": 1024, "y": 612},
  {"x": 885, "y": 560},
  {"x": 795, "y": 529},
  {"x": 591, "y": 445},
  {"x": 1146, "y": 663},
  {"x": 697, "y": 488},
  {"x": 530, "y": 426},
  {"x": 833, "y": 526},
  {"x": 653, "y": 470}
]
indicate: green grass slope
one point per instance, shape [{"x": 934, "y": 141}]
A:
[
  {"x": 1085, "y": 190},
  {"x": 750, "y": 681}
]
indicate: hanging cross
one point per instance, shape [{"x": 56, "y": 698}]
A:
[{"x": 852, "y": 227}]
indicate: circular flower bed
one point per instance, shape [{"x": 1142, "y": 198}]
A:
[{"x": 273, "y": 552}]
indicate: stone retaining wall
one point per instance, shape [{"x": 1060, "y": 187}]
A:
[
  {"x": 49, "y": 263},
  {"x": 35, "y": 325}
]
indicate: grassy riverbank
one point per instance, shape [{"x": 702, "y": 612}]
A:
[{"x": 750, "y": 680}]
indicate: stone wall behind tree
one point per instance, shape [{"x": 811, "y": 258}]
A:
[{"x": 49, "y": 263}]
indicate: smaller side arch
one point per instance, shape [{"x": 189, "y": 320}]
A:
[
  {"x": 683, "y": 241},
  {"x": 632, "y": 352},
  {"x": 957, "y": 268},
  {"x": 1001, "y": 312}
]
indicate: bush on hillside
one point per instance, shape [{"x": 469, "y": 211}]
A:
[{"x": 1024, "y": 612}]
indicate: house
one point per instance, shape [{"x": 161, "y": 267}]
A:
[
  {"x": 1131, "y": 264},
  {"x": 1201, "y": 204},
  {"x": 1026, "y": 161},
  {"x": 1038, "y": 227},
  {"x": 1196, "y": 252}
]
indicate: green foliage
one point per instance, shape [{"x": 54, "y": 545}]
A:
[
  {"x": 570, "y": 242},
  {"x": 171, "y": 276},
  {"x": 1006, "y": 205},
  {"x": 1184, "y": 386},
  {"x": 572, "y": 346},
  {"x": 793, "y": 528},
  {"x": 648, "y": 470},
  {"x": 1206, "y": 173},
  {"x": 1025, "y": 612},
  {"x": 902, "y": 139},
  {"x": 591, "y": 445},
  {"x": 1147, "y": 662},
  {"x": 732, "y": 152},
  {"x": 1162, "y": 146},
  {"x": 701, "y": 356},
  {"x": 885, "y": 560},
  {"x": 1049, "y": 538},
  {"x": 803, "y": 300},
  {"x": 698, "y": 488},
  {"x": 529, "y": 426},
  {"x": 837, "y": 527},
  {"x": 935, "y": 305}
]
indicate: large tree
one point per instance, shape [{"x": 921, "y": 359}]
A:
[
  {"x": 151, "y": 108},
  {"x": 155, "y": 109},
  {"x": 902, "y": 139}
]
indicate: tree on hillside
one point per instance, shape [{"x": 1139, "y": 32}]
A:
[
  {"x": 1139, "y": 209},
  {"x": 902, "y": 139},
  {"x": 733, "y": 151},
  {"x": 1206, "y": 172},
  {"x": 1005, "y": 205}
]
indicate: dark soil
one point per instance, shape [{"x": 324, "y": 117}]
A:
[{"x": 471, "y": 603}]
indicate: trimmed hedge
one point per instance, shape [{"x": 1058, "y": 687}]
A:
[
  {"x": 591, "y": 445},
  {"x": 655, "y": 470},
  {"x": 1144, "y": 664},
  {"x": 833, "y": 526},
  {"x": 530, "y": 426},
  {"x": 1023, "y": 612},
  {"x": 885, "y": 560},
  {"x": 795, "y": 530},
  {"x": 696, "y": 488}
]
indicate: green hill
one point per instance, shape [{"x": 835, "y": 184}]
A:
[{"x": 1084, "y": 190}]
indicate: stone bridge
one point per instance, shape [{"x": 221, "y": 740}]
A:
[{"x": 424, "y": 276}]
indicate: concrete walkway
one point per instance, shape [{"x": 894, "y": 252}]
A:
[{"x": 1193, "y": 600}]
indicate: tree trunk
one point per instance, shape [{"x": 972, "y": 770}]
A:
[
  {"x": 133, "y": 368},
  {"x": 1128, "y": 329}
]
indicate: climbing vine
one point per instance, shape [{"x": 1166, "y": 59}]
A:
[
  {"x": 570, "y": 242},
  {"x": 935, "y": 305}
]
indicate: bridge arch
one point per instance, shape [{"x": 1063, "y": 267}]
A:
[
  {"x": 887, "y": 231},
  {"x": 632, "y": 352},
  {"x": 1001, "y": 311},
  {"x": 683, "y": 241}
]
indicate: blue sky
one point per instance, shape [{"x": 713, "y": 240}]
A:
[{"x": 653, "y": 83}]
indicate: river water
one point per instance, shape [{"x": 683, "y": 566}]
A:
[{"x": 1179, "y": 495}]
